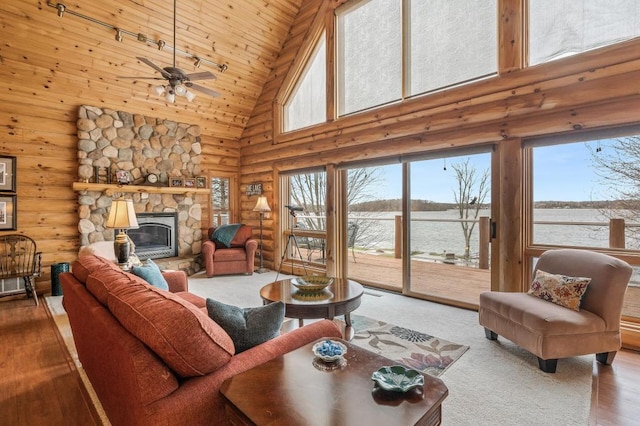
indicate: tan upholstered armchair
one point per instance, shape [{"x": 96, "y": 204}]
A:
[
  {"x": 550, "y": 331},
  {"x": 238, "y": 258}
]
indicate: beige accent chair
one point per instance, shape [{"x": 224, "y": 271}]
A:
[{"x": 550, "y": 331}]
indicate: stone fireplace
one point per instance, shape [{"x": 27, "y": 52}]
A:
[{"x": 111, "y": 141}]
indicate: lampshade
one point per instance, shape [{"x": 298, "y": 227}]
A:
[
  {"x": 159, "y": 90},
  {"x": 190, "y": 95},
  {"x": 170, "y": 96},
  {"x": 122, "y": 215},
  {"x": 180, "y": 90},
  {"x": 262, "y": 205}
]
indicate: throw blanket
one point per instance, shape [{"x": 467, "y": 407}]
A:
[{"x": 224, "y": 234}]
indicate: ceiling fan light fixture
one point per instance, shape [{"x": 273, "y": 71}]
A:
[
  {"x": 180, "y": 90},
  {"x": 159, "y": 90},
  {"x": 170, "y": 96},
  {"x": 190, "y": 95}
]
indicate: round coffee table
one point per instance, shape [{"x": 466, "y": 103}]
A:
[{"x": 340, "y": 298}]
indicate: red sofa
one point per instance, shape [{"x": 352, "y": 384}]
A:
[
  {"x": 237, "y": 259},
  {"x": 155, "y": 357}
]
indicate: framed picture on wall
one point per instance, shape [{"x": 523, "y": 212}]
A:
[
  {"x": 7, "y": 173},
  {"x": 190, "y": 182},
  {"x": 8, "y": 217}
]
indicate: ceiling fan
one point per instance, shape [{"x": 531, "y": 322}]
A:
[{"x": 179, "y": 82}]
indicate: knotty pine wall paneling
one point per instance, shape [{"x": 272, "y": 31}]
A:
[{"x": 49, "y": 66}]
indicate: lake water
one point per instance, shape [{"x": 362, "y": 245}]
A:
[{"x": 376, "y": 230}]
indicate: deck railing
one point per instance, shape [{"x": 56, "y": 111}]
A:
[{"x": 617, "y": 228}]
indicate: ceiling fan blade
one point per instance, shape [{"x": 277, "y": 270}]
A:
[
  {"x": 204, "y": 90},
  {"x": 142, "y": 78},
  {"x": 154, "y": 66},
  {"x": 205, "y": 75}
]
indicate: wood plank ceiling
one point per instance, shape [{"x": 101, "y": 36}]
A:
[{"x": 85, "y": 60}]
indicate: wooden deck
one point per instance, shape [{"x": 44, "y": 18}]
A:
[{"x": 459, "y": 284}]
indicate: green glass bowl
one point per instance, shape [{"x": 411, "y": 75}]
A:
[{"x": 397, "y": 378}]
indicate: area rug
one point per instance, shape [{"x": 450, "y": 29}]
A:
[{"x": 414, "y": 349}]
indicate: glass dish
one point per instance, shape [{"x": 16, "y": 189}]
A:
[
  {"x": 329, "y": 355},
  {"x": 397, "y": 378},
  {"x": 311, "y": 283}
]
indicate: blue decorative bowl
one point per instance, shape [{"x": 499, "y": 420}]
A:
[
  {"x": 397, "y": 378},
  {"x": 329, "y": 350}
]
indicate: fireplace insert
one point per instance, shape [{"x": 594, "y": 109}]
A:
[{"x": 157, "y": 235}]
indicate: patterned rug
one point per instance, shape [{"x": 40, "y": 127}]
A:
[{"x": 420, "y": 351}]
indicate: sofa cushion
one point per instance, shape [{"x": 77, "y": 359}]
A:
[
  {"x": 231, "y": 254},
  {"x": 248, "y": 327},
  {"x": 559, "y": 289},
  {"x": 85, "y": 265},
  {"x": 102, "y": 282},
  {"x": 150, "y": 272},
  {"x": 185, "y": 338}
]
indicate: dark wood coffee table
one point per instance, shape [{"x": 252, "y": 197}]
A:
[
  {"x": 295, "y": 389},
  {"x": 340, "y": 298}
]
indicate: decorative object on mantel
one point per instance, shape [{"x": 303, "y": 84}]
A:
[
  {"x": 179, "y": 81},
  {"x": 262, "y": 206},
  {"x": 176, "y": 181},
  {"x": 152, "y": 179},
  {"x": 120, "y": 32},
  {"x": 201, "y": 182},
  {"x": 122, "y": 216}
]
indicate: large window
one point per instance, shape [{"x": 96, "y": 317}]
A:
[
  {"x": 448, "y": 45},
  {"x": 559, "y": 28},
  {"x": 369, "y": 54},
  {"x": 307, "y": 104},
  {"x": 444, "y": 45},
  {"x": 220, "y": 201},
  {"x": 586, "y": 193}
]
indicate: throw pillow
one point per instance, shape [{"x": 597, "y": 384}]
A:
[
  {"x": 248, "y": 327},
  {"x": 150, "y": 272},
  {"x": 559, "y": 289}
]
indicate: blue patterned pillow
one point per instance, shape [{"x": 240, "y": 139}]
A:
[
  {"x": 150, "y": 272},
  {"x": 247, "y": 327}
]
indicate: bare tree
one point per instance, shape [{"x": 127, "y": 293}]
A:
[
  {"x": 308, "y": 190},
  {"x": 618, "y": 166},
  {"x": 470, "y": 195}
]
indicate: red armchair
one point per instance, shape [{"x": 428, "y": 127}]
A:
[{"x": 237, "y": 259}]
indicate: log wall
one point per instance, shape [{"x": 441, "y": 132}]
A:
[{"x": 594, "y": 89}]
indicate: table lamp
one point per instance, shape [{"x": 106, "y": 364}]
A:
[
  {"x": 263, "y": 207},
  {"x": 122, "y": 216}
]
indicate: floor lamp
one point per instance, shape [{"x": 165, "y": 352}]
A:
[{"x": 263, "y": 207}]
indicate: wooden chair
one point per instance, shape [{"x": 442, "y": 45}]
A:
[{"x": 19, "y": 258}]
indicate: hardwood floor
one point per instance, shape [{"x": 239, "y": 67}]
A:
[
  {"x": 40, "y": 385},
  {"x": 38, "y": 380}
]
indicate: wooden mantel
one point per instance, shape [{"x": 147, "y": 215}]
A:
[{"x": 111, "y": 189}]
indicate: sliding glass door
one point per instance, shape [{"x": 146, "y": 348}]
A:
[
  {"x": 449, "y": 217},
  {"x": 374, "y": 215}
]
